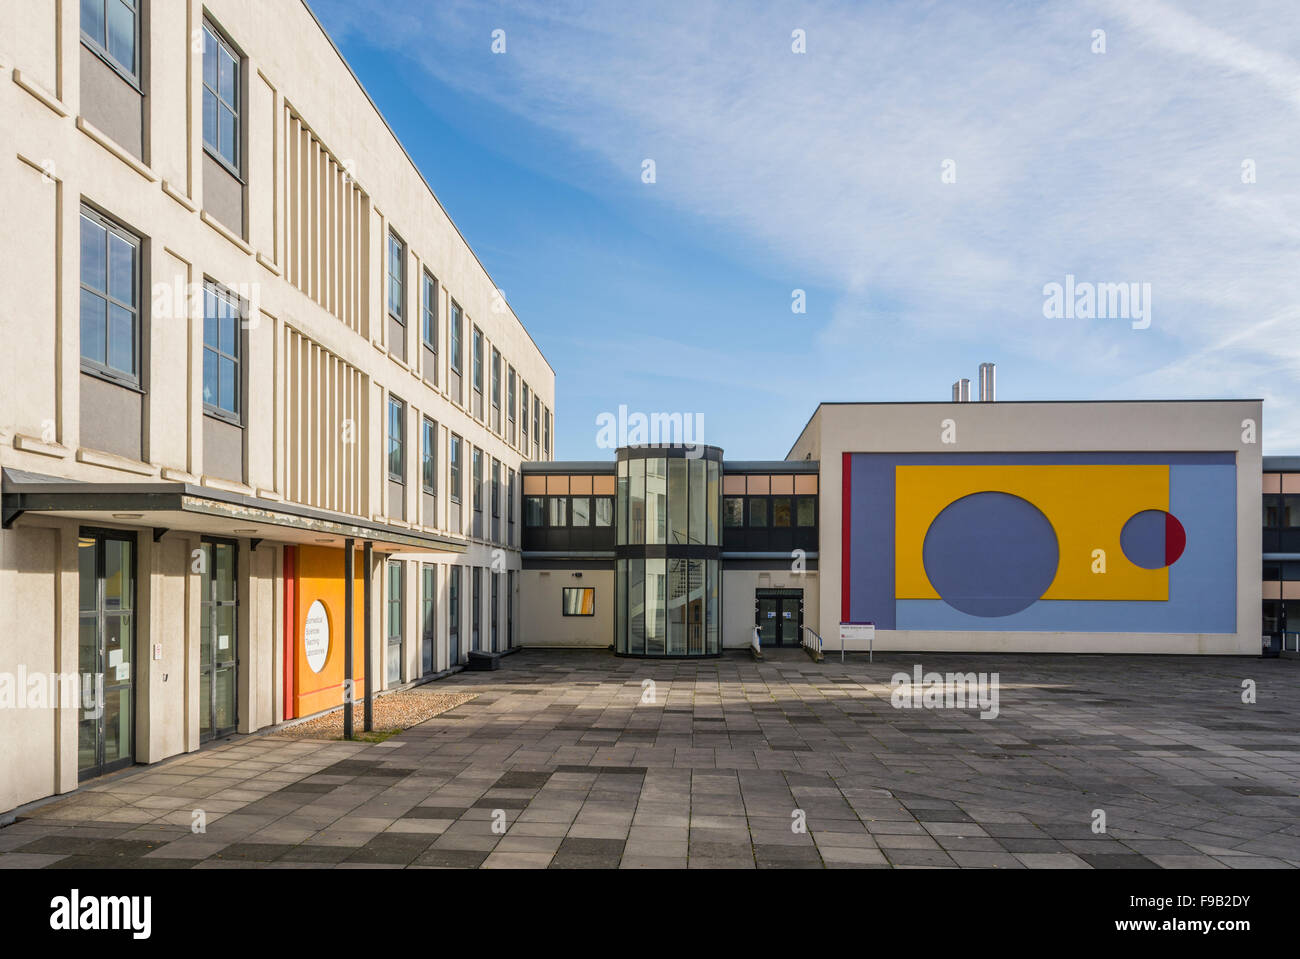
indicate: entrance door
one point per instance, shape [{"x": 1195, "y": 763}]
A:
[
  {"x": 219, "y": 640},
  {"x": 779, "y": 616},
  {"x": 106, "y": 651},
  {"x": 428, "y": 617}
]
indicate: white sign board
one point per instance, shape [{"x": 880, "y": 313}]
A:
[
  {"x": 316, "y": 636},
  {"x": 857, "y": 635}
]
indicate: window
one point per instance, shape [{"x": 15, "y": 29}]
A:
[
  {"x": 429, "y": 457},
  {"x": 478, "y": 360},
  {"x": 494, "y": 597},
  {"x": 453, "y": 615},
  {"x": 579, "y": 601},
  {"x": 496, "y": 378},
  {"x": 546, "y": 442},
  {"x": 523, "y": 426},
  {"x": 806, "y": 511},
  {"x": 496, "y": 487},
  {"x": 757, "y": 511},
  {"x": 733, "y": 511},
  {"x": 429, "y": 327},
  {"x": 110, "y": 298},
  {"x": 221, "y": 352},
  {"x": 534, "y": 511},
  {"x": 556, "y": 508},
  {"x": 455, "y": 338},
  {"x": 537, "y": 413},
  {"x": 220, "y": 97},
  {"x": 476, "y": 605},
  {"x": 511, "y": 396},
  {"x": 581, "y": 508},
  {"x": 396, "y": 439},
  {"x": 604, "y": 511},
  {"x": 396, "y": 278},
  {"x": 510, "y": 504},
  {"x": 781, "y": 511},
  {"x": 455, "y": 467},
  {"x": 477, "y": 479},
  {"x": 110, "y": 28}
]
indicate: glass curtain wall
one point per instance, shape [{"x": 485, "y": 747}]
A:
[{"x": 667, "y": 572}]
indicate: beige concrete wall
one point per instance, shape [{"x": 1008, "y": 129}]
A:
[
  {"x": 738, "y": 590},
  {"x": 51, "y": 161},
  {"x": 1045, "y": 427},
  {"x": 541, "y": 609}
]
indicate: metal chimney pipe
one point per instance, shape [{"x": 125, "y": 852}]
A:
[
  {"x": 988, "y": 382},
  {"x": 963, "y": 390}
]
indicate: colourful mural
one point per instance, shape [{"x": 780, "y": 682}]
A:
[{"x": 1086, "y": 542}]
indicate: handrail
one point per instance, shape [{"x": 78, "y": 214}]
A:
[{"x": 809, "y": 634}]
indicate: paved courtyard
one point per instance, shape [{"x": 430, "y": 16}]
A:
[{"x": 558, "y": 763}]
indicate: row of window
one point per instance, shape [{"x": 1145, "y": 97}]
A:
[
  {"x": 764, "y": 511},
  {"x": 499, "y": 638},
  {"x": 568, "y": 511},
  {"x": 1281, "y": 511},
  {"x": 498, "y": 474},
  {"x": 502, "y": 374}
]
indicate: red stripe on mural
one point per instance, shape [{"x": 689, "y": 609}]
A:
[
  {"x": 846, "y": 552},
  {"x": 1175, "y": 539}
]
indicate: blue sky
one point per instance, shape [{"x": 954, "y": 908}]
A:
[{"x": 824, "y": 171}]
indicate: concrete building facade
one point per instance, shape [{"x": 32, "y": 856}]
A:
[{"x": 245, "y": 333}]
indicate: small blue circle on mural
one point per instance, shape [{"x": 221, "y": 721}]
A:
[{"x": 991, "y": 554}]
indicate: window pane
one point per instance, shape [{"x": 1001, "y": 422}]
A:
[
  {"x": 121, "y": 339},
  {"x": 636, "y": 502},
  {"x": 229, "y": 385},
  {"x": 757, "y": 511},
  {"x": 636, "y": 606},
  {"x": 733, "y": 511},
  {"x": 656, "y": 496},
  {"x": 678, "y": 471},
  {"x": 209, "y": 377},
  {"x": 604, "y": 511},
  {"x": 807, "y": 511},
  {"x": 226, "y": 136},
  {"x": 781, "y": 511},
  {"x": 711, "y": 504},
  {"x": 94, "y": 254},
  {"x": 209, "y": 118},
  {"x": 228, "y": 81},
  {"x": 699, "y": 493},
  {"x": 121, "y": 34},
  {"x": 92, "y": 19},
  {"x": 581, "y": 511},
  {"x": 209, "y": 58},
  {"x": 228, "y": 327},
  {"x": 121, "y": 269},
  {"x": 556, "y": 505},
  {"x": 656, "y": 594},
  {"x": 534, "y": 511},
  {"x": 94, "y": 327}
]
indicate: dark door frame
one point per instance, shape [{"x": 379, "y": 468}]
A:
[
  {"x": 213, "y": 604},
  {"x": 786, "y": 636},
  {"x": 100, "y": 534}
]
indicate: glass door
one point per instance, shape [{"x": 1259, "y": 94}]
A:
[
  {"x": 428, "y": 619},
  {"x": 790, "y": 617},
  {"x": 106, "y": 644},
  {"x": 396, "y": 615},
  {"x": 219, "y": 640},
  {"x": 769, "y": 627}
]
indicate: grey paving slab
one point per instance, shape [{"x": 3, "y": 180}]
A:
[{"x": 781, "y": 764}]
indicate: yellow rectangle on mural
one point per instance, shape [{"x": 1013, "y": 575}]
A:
[{"x": 1086, "y": 505}]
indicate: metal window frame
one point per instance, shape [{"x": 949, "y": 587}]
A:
[
  {"x": 476, "y": 478},
  {"x": 454, "y": 465},
  {"x": 137, "y": 324},
  {"x": 429, "y": 454},
  {"x": 401, "y": 440},
  {"x": 100, "y": 50},
  {"x": 457, "y": 339},
  {"x": 429, "y": 313},
  {"x": 237, "y": 417},
  {"x": 590, "y": 589},
  {"x": 213, "y": 149},
  {"x": 400, "y": 314}
]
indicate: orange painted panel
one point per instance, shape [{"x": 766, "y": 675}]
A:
[
  {"x": 1272, "y": 483},
  {"x": 603, "y": 485},
  {"x": 806, "y": 484},
  {"x": 580, "y": 485},
  {"x": 782, "y": 484},
  {"x": 319, "y": 575}
]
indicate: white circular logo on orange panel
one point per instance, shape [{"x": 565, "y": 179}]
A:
[{"x": 316, "y": 636}]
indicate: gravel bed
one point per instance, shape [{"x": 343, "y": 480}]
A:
[{"x": 394, "y": 711}]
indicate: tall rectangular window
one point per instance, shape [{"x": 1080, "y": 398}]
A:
[
  {"x": 429, "y": 326},
  {"x": 477, "y": 479},
  {"x": 510, "y": 505},
  {"x": 496, "y": 391},
  {"x": 396, "y": 278},
  {"x": 453, "y": 615},
  {"x": 477, "y": 379},
  {"x": 476, "y": 605},
  {"x": 455, "y": 464},
  {"x": 537, "y": 421},
  {"x": 396, "y": 613},
  {"x": 495, "y": 599},
  {"x": 110, "y": 298},
  {"x": 546, "y": 439},
  {"x": 220, "y": 97},
  {"x": 111, "y": 29},
  {"x": 523, "y": 420},
  {"x": 222, "y": 381},
  {"x": 511, "y": 397},
  {"x": 456, "y": 366},
  {"x": 396, "y": 439},
  {"x": 429, "y": 456}
]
